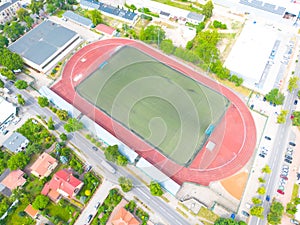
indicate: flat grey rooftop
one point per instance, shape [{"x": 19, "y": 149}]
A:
[
  {"x": 42, "y": 42},
  {"x": 77, "y": 18}
]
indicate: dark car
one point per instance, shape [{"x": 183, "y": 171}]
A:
[
  {"x": 95, "y": 148},
  {"x": 97, "y": 205},
  {"x": 88, "y": 168},
  {"x": 262, "y": 155},
  {"x": 288, "y": 161},
  {"x": 288, "y": 157},
  {"x": 268, "y": 198},
  {"x": 268, "y": 138},
  {"x": 89, "y": 218},
  {"x": 296, "y": 102},
  {"x": 292, "y": 144},
  {"x": 245, "y": 213}
]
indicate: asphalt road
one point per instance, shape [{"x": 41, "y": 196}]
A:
[
  {"x": 161, "y": 208},
  {"x": 277, "y": 157}
]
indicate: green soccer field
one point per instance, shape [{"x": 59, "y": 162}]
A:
[{"x": 164, "y": 107}]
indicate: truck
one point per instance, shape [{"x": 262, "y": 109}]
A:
[{"x": 108, "y": 167}]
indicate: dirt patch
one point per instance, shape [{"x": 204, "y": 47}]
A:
[{"x": 236, "y": 184}]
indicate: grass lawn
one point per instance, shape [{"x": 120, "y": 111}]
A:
[
  {"x": 207, "y": 214},
  {"x": 59, "y": 13},
  {"x": 15, "y": 219},
  {"x": 164, "y": 107},
  {"x": 64, "y": 213},
  {"x": 34, "y": 186}
]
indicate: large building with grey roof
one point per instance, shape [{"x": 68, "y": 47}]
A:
[{"x": 45, "y": 45}]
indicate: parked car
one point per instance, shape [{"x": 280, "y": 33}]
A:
[
  {"x": 280, "y": 192},
  {"x": 5, "y": 132},
  {"x": 88, "y": 168},
  {"x": 248, "y": 205},
  {"x": 295, "y": 102},
  {"x": 268, "y": 138},
  {"x": 97, "y": 205},
  {"x": 292, "y": 144},
  {"x": 245, "y": 213},
  {"x": 95, "y": 148},
  {"x": 293, "y": 221},
  {"x": 262, "y": 155},
  {"x": 89, "y": 218},
  {"x": 288, "y": 161},
  {"x": 284, "y": 177},
  {"x": 268, "y": 198}
]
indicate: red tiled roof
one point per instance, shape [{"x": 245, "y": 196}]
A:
[
  {"x": 44, "y": 165},
  {"x": 31, "y": 211},
  {"x": 64, "y": 181},
  {"x": 123, "y": 217},
  {"x": 105, "y": 29},
  {"x": 14, "y": 179}
]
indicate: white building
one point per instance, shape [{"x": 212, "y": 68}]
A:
[
  {"x": 7, "y": 111},
  {"x": 8, "y": 9}
]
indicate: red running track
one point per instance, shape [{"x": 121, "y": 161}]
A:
[{"x": 235, "y": 136}]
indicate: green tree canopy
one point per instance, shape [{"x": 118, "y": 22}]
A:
[
  {"x": 266, "y": 169},
  {"x": 63, "y": 137},
  {"x": 275, "y": 214},
  {"x": 10, "y": 60},
  {"x": 3, "y": 41},
  {"x": 125, "y": 183},
  {"x": 225, "y": 221},
  {"x": 18, "y": 161},
  {"x": 7, "y": 73},
  {"x": 43, "y": 101},
  {"x": 50, "y": 124},
  {"x": 122, "y": 160},
  {"x": 207, "y": 9},
  {"x": 281, "y": 118},
  {"x": 21, "y": 100},
  {"x": 62, "y": 114},
  {"x": 167, "y": 46},
  {"x": 293, "y": 83},
  {"x": 261, "y": 180},
  {"x": 22, "y": 13},
  {"x": 1, "y": 84},
  {"x": 111, "y": 153},
  {"x": 275, "y": 96},
  {"x": 13, "y": 31},
  {"x": 21, "y": 84},
  {"x": 40, "y": 202},
  {"x": 154, "y": 34},
  {"x": 257, "y": 211},
  {"x": 95, "y": 16},
  {"x": 73, "y": 125},
  {"x": 155, "y": 189},
  {"x": 296, "y": 119},
  {"x": 33, "y": 148},
  {"x": 256, "y": 201},
  {"x": 261, "y": 190}
]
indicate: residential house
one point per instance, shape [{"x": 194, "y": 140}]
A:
[
  {"x": 123, "y": 217},
  {"x": 14, "y": 179},
  {"x": 33, "y": 213},
  {"x": 8, "y": 9},
  {"x": 62, "y": 183},
  {"x": 16, "y": 142},
  {"x": 43, "y": 166},
  {"x": 194, "y": 18}
]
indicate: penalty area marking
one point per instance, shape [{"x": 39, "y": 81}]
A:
[{"x": 76, "y": 78}]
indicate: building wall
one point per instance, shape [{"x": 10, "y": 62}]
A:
[{"x": 9, "y": 12}]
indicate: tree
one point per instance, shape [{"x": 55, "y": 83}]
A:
[
  {"x": 281, "y": 118},
  {"x": 152, "y": 34},
  {"x": 50, "y": 8},
  {"x": 275, "y": 96},
  {"x": 43, "y": 101},
  {"x": 207, "y": 9},
  {"x": 21, "y": 100},
  {"x": 18, "y": 161},
  {"x": 22, "y": 13},
  {"x": 10, "y": 60},
  {"x": 95, "y": 16},
  {"x": 122, "y": 160},
  {"x": 73, "y": 125},
  {"x": 111, "y": 153},
  {"x": 256, "y": 201},
  {"x": 50, "y": 124},
  {"x": 261, "y": 190},
  {"x": 296, "y": 118},
  {"x": 293, "y": 83},
  {"x": 261, "y": 180},
  {"x": 21, "y": 84},
  {"x": 298, "y": 94},
  {"x": 125, "y": 183},
  {"x": 155, "y": 189},
  {"x": 29, "y": 21},
  {"x": 33, "y": 148},
  {"x": 225, "y": 221},
  {"x": 35, "y": 6},
  {"x": 7, "y": 73},
  {"x": 3, "y": 41},
  {"x": 266, "y": 169},
  {"x": 63, "y": 137},
  {"x": 1, "y": 84},
  {"x": 167, "y": 46},
  {"x": 275, "y": 214},
  {"x": 291, "y": 208},
  {"x": 40, "y": 202},
  {"x": 257, "y": 211},
  {"x": 13, "y": 31},
  {"x": 62, "y": 114},
  {"x": 200, "y": 27}
]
